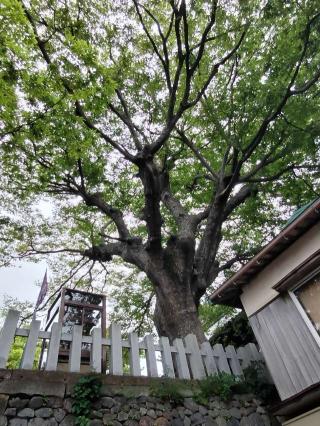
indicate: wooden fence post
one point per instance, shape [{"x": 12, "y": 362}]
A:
[
  {"x": 234, "y": 361},
  {"x": 116, "y": 367},
  {"x": 181, "y": 360},
  {"x": 134, "y": 354},
  {"x": 195, "y": 357},
  {"x": 75, "y": 351},
  {"x": 54, "y": 346},
  {"x": 151, "y": 356},
  {"x": 167, "y": 362},
  {"x": 209, "y": 360},
  {"x": 31, "y": 346},
  {"x": 7, "y": 335},
  {"x": 223, "y": 364},
  {"x": 96, "y": 350}
]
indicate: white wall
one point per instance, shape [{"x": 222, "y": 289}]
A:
[{"x": 259, "y": 292}]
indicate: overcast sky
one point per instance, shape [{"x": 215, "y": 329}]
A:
[{"x": 21, "y": 281}]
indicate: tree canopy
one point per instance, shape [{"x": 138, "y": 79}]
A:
[{"x": 173, "y": 135}]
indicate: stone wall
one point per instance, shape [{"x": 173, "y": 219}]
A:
[{"x": 44, "y": 399}]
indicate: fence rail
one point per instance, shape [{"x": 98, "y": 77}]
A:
[{"x": 183, "y": 359}]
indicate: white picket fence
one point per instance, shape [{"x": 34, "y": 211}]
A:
[{"x": 183, "y": 359}]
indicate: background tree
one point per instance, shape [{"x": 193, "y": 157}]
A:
[{"x": 174, "y": 135}]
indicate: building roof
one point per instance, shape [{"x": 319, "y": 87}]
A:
[{"x": 303, "y": 219}]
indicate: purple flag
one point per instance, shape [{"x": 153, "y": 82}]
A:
[{"x": 43, "y": 291}]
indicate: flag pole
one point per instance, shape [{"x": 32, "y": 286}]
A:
[{"x": 42, "y": 294}]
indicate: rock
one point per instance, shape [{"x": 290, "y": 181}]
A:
[
  {"x": 108, "y": 418},
  {"x": 3, "y": 421},
  {"x": 115, "y": 410},
  {"x": 10, "y": 412},
  {"x": 95, "y": 423},
  {"x": 208, "y": 421},
  {"x": 3, "y": 404},
  {"x": 214, "y": 405},
  {"x": 122, "y": 416},
  {"x": 253, "y": 420},
  {"x": 69, "y": 420},
  {"x": 236, "y": 404},
  {"x": 59, "y": 414},
  {"x": 161, "y": 421},
  {"x": 37, "y": 421},
  {"x": 146, "y": 421},
  {"x": 186, "y": 421},
  {"x": 36, "y": 402},
  {"x": 213, "y": 413},
  {"x": 67, "y": 405},
  {"x": 151, "y": 413},
  {"x": 177, "y": 422},
  {"x": 235, "y": 412},
  {"x": 203, "y": 410},
  {"x": 107, "y": 402},
  {"x": 196, "y": 419},
  {"x": 266, "y": 420},
  {"x": 96, "y": 414},
  {"x": 221, "y": 421},
  {"x": 150, "y": 405},
  {"x": 246, "y": 411},
  {"x": 54, "y": 402},
  {"x": 18, "y": 422},
  {"x": 233, "y": 422},
  {"x": 143, "y": 411},
  {"x": 261, "y": 410},
  {"x": 51, "y": 422},
  {"x": 26, "y": 412},
  {"x": 131, "y": 423},
  {"x": 44, "y": 412},
  {"x": 134, "y": 414},
  {"x": 190, "y": 404},
  {"x": 18, "y": 403}
]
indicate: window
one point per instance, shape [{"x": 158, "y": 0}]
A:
[{"x": 309, "y": 297}]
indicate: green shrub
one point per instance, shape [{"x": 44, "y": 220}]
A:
[
  {"x": 85, "y": 392},
  {"x": 237, "y": 332},
  {"x": 256, "y": 382},
  {"x": 170, "y": 391},
  {"x": 220, "y": 384}
]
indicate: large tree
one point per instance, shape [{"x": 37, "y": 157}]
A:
[{"x": 169, "y": 133}]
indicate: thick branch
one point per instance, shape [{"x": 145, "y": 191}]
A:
[{"x": 245, "y": 192}]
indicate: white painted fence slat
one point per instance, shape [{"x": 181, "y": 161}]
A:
[
  {"x": 54, "y": 345},
  {"x": 75, "y": 350},
  {"x": 244, "y": 356},
  {"x": 195, "y": 358},
  {"x": 134, "y": 354},
  {"x": 252, "y": 349},
  {"x": 234, "y": 361},
  {"x": 181, "y": 359},
  {"x": 151, "y": 356},
  {"x": 223, "y": 364},
  {"x": 31, "y": 346},
  {"x": 96, "y": 350},
  {"x": 209, "y": 360},
  {"x": 7, "y": 335},
  {"x": 167, "y": 363},
  {"x": 116, "y": 367}
]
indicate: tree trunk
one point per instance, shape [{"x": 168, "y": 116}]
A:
[{"x": 176, "y": 313}]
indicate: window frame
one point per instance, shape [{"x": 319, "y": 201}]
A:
[{"x": 299, "y": 306}]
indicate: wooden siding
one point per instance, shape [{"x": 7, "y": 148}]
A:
[{"x": 289, "y": 348}]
